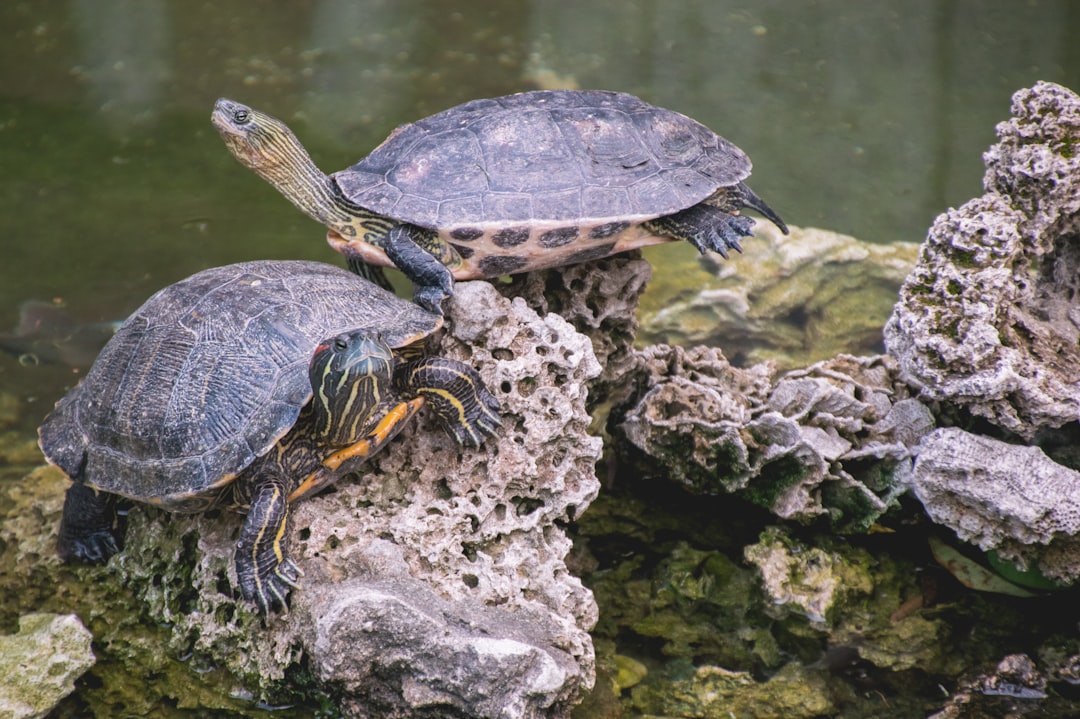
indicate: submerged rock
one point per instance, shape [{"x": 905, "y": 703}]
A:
[
  {"x": 40, "y": 663},
  {"x": 793, "y": 299},
  {"x": 988, "y": 320},
  {"x": 711, "y": 692},
  {"x": 435, "y": 583}
]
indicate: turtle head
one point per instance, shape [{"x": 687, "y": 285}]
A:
[
  {"x": 267, "y": 146},
  {"x": 351, "y": 379},
  {"x": 261, "y": 142}
]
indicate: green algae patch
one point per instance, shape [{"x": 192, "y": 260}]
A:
[{"x": 711, "y": 692}]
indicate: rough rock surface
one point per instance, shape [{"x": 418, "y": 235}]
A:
[
  {"x": 834, "y": 438},
  {"x": 600, "y": 300},
  {"x": 794, "y": 299},
  {"x": 435, "y": 583},
  {"x": 989, "y": 319},
  {"x": 40, "y": 663},
  {"x": 1006, "y": 497}
]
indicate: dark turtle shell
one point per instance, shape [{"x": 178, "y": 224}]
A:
[
  {"x": 210, "y": 373},
  {"x": 588, "y": 157}
]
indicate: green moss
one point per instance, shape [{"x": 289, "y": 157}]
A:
[
  {"x": 712, "y": 692},
  {"x": 775, "y": 480},
  {"x": 965, "y": 259}
]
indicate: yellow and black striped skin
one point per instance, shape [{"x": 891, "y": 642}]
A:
[{"x": 363, "y": 395}]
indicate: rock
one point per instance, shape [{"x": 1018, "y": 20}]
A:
[
  {"x": 793, "y": 299},
  {"x": 988, "y": 319},
  {"x": 389, "y": 639},
  {"x": 1014, "y": 688},
  {"x": 832, "y": 439},
  {"x": 807, "y": 580},
  {"x": 1006, "y": 497},
  {"x": 436, "y": 568},
  {"x": 600, "y": 300},
  {"x": 794, "y": 692},
  {"x": 39, "y": 664}
]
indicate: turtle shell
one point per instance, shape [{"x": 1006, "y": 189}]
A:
[
  {"x": 209, "y": 374},
  {"x": 563, "y": 162}
]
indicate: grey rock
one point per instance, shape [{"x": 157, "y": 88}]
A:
[
  {"x": 835, "y": 438},
  {"x": 390, "y": 640},
  {"x": 40, "y": 663},
  {"x": 600, "y": 299},
  {"x": 988, "y": 319},
  {"x": 442, "y": 564},
  {"x": 1006, "y": 497}
]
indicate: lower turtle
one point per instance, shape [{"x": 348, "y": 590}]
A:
[
  {"x": 249, "y": 386},
  {"x": 512, "y": 184}
]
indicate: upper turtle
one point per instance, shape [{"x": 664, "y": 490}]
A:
[{"x": 511, "y": 184}]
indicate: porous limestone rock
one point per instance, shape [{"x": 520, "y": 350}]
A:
[
  {"x": 40, "y": 663},
  {"x": 834, "y": 438},
  {"x": 600, "y": 300},
  {"x": 435, "y": 582},
  {"x": 989, "y": 320},
  {"x": 1006, "y": 497},
  {"x": 794, "y": 299}
]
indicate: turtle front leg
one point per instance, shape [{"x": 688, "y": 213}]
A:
[
  {"x": 265, "y": 573},
  {"x": 92, "y": 527},
  {"x": 466, "y": 409},
  {"x": 432, "y": 280}
]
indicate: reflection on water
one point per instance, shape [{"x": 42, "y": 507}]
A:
[{"x": 860, "y": 117}]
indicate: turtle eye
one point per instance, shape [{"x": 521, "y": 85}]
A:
[
  {"x": 241, "y": 117},
  {"x": 340, "y": 344}
]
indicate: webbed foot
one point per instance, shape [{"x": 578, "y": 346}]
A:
[
  {"x": 466, "y": 409},
  {"x": 265, "y": 573},
  {"x": 92, "y": 528},
  {"x": 270, "y": 587},
  {"x": 705, "y": 227}
]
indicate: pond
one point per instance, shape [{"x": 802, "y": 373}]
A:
[{"x": 862, "y": 118}]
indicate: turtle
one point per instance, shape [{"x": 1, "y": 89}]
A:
[
  {"x": 511, "y": 184},
  {"x": 249, "y": 386}
]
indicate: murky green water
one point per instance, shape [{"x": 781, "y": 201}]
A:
[{"x": 860, "y": 117}]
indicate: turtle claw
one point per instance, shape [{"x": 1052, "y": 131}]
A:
[
  {"x": 271, "y": 593},
  {"x": 91, "y": 548}
]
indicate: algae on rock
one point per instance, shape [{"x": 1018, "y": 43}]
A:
[{"x": 792, "y": 299}]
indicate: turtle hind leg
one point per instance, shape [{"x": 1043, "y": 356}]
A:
[
  {"x": 466, "y": 409},
  {"x": 264, "y": 571},
  {"x": 706, "y": 227},
  {"x": 372, "y": 273},
  {"x": 92, "y": 527}
]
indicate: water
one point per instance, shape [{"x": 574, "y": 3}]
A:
[{"x": 859, "y": 117}]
